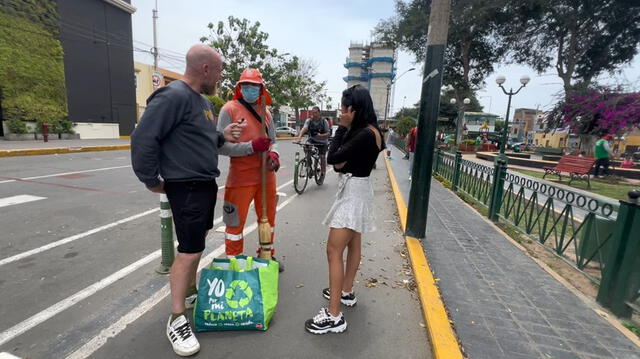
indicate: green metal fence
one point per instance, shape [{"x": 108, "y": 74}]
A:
[{"x": 583, "y": 230}]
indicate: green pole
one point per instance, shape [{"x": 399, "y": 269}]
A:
[
  {"x": 456, "y": 173},
  {"x": 621, "y": 278},
  {"x": 166, "y": 236},
  {"x": 497, "y": 191},
  {"x": 428, "y": 118}
]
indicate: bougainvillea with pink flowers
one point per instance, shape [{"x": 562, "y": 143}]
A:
[{"x": 597, "y": 113}]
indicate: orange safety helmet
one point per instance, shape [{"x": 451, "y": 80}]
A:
[{"x": 253, "y": 76}]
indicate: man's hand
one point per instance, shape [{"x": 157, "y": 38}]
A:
[
  {"x": 273, "y": 161},
  {"x": 233, "y": 131},
  {"x": 157, "y": 189},
  {"x": 260, "y": 144}
]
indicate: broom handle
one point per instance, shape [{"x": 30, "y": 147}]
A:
[{"x": 264, "y": 161}]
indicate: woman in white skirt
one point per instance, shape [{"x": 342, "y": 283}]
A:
[{"x": 353, "y": 152}]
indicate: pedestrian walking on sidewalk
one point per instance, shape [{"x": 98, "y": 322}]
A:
[
  {"x": 411, "y": 147},
  {"x": 356, "y": 145},
  {"x": 174, "y": 150},
  {"x": 391, "y": 138},
  {"x": 602, "y": 154}
]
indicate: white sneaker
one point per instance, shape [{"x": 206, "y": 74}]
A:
[
  {"x": 190, "y": 301},
  {"x": 181, "y": 336}
]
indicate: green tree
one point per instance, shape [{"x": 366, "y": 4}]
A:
[
  {"x": 580, "y": 39},
  {"x": 499, "y": 126},
  {"x": 407, "y": 112},
  {"x": 289, "y": 79},
  {"x": 242, "y": 44},
  {"x": 404, "y": 125},
  {"x": 472, "y": 48}
]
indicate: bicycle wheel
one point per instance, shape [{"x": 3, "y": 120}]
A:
[
  {"x": 319, "y": 176},
  {"x": 300, "y": 176}
]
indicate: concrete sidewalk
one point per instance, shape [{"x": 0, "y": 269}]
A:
[
  {"x": 34, "y": 148},
  {"x": 502, "y": 303}
]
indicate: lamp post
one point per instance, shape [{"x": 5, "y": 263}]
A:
[
  {"x": 460, "y": 118},
  {"x": 386, "y": 105},
  {"x": 524, "y": 80}
]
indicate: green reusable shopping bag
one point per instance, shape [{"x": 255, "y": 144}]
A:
[{"x": 237, "y": 294}]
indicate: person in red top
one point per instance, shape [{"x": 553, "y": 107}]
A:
[
  {"x": 411, "y": 147},
  {"x": 244, "y": 179}
]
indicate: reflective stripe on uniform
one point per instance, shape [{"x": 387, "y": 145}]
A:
[{"x": 233, "y": 237}]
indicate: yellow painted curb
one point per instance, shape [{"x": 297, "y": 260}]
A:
[
  {"x": 444, "y": 344},
  {"x": 61, "y": 150}
]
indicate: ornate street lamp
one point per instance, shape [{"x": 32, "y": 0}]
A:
[
  {"x": 524, "y": 80},
  {"x": 460, "y": 118}
]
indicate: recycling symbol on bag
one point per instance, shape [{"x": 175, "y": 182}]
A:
[{"x": 238, "y": 289}]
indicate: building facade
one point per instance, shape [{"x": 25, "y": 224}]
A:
[
  {"x": 96, "y": 37},
  {"x": 523, "y": 126},
  {"x": 480, "y": 122},
  {"x": 373, "y": 67},
  {"x": 144, "y": 83}
]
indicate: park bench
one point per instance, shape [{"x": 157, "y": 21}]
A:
[{"x": 577, "y": 167}]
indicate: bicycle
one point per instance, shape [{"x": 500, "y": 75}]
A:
[{"x": 307, "y": 167}]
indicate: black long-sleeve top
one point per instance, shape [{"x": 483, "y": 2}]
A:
[{"x": 358, "y": 149}]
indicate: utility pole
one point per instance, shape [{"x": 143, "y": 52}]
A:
[
  {"x": 428, "y": 118},
  {"x": 155, "y": 38}
]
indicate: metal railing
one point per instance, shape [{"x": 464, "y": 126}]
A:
[{"x": 591, "y": 234}]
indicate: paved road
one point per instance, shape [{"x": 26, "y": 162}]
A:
[{"x": 79, "y": 239}]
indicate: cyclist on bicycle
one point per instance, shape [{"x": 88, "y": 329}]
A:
[{"x": 319, "y": 132}]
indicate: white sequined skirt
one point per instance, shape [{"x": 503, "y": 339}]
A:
[{"x": 353, "y": 206}]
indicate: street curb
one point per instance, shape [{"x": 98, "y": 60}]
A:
[
  {"x": 61, "y": 150},
  {"x": 444, "y": 344}
]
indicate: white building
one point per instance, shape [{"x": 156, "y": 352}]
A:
[{"x": 373, "y": 66}]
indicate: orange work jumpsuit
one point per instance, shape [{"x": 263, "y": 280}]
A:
[{"x": 244, "y": 181}]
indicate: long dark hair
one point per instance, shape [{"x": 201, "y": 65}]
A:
[{"x": 360, "y": 101}]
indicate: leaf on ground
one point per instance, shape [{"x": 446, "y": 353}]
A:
[
  {"x": 371, "y": 282},
  {"x": 300, "y": 286},
  {"x": 422, "y": 325}
]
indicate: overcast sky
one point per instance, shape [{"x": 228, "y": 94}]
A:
[{"x": 321, "y": 31}]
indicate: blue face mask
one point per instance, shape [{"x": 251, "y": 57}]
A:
[{"x": 250, "y": 93}]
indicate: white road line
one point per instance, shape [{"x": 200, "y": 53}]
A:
[
  {"x": 70, "y": 301},
  {"x": 22, "y": 198},
  {"x": 111, "y": 332},
  {"x": 31, "y": 252},
  {"x": 66, "y": 303},
  {"x": 74, "y": 237},
  {"x": 67, "y": 173}
]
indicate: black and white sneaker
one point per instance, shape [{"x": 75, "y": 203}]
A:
[
  {"x": 323, "y": 323},
  {"x": 181, "y": 336},
  {"x": 349, "y": 299}
]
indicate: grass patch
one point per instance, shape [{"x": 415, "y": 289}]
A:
[
  {"x": 611, "y": 190},
  {"x": 633, "y": 327}
]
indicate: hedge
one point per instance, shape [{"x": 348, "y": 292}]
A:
[{"x": 31, "y": 61}]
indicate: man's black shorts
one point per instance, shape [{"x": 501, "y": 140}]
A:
[
  {"x": 322, "y": 147},
  {"x": 192, "y": 204}
]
